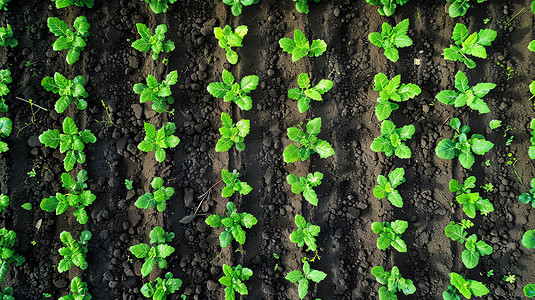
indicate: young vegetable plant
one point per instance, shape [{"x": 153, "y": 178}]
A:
[
  {"x": 474, "y": 248},
  {"x": 71, "y": 141},
  {"x": 5, "y": 130},
  {"x": 232, "y": 134},
  {"x": 392, "y": 140},
  {"x": 387, "y": 187},
  {"x": 302, "y": 5},
  {"x": 466, "y": 287},
  {"x": 303, "y": 278},
  {"x": 159, "y": 140},
  {"x": 233, "y": 280},
  {"x": 233, "y": 184},
  {"x": 308, "y": 142},
  {"x": 529, "y": 290},
  {"x": 3, "y": 5},
  {"x": 79, "y": 290},
  {"x": 158, "y": 93},
  {"x": 392, "y": 283},
  {"x": 390, "y": 39},
  {"x": 159, "y": 6},
  {"x": 70, "y": 91},
  {"x": 531, "y": 150},
  {"x": 387, "y": 7},
  {"x": 461, "y": 146},
  {"x": 306, "y": 185},
  {"x": 161, "y": 288},
  {"x": 528, "y": 239},
  {"x": 306, "y": 233},
  {"x": 74, "y": 40},
  {"x": 392, "y": 90},
  {"x": 460, "y": 7},
  {"x": 7, "y": 294},
  {"x": 466, "y": 95},
  {"x": 8, "y": 257},
  {"x": 67, "y": 3},
  {"x": 228, "y": 39},
  {"x": 156, "y": 42},
  {"x": 305, "y": 93},
  {"x": 78, "y": 198},
  {"x": 75, "y": 252},
  {"x": 299, "y": 47},
  {"x": 390, "y": 234},
  {"x": 529, "y": 197},
  {"x": 471, "y": 202},
  {"x": 6, "y": 37},
  {"x": 233, "y": 223},
  {"x": 4, "y": 202},
  {"x": 236, "y": 6},
  {"x": 158, "y": 198},
  {"x": 5, "y": 78},
  {"x": 469, "y": 44},
  {"x": 156, "y": 253},
  {"x": 235, "y": 92}
]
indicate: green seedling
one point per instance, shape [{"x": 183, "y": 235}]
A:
[
  {"x": 158, "y": 198},
  {"x": 460, "y": 7},
  {"x": 390, "y": 234},
  {"x": 531, "y": 150},
  {"x": 469, "y": 44},
  {"x": 466, "y": 287},
  {"x": 488, "y": 187},
  {"x": 155, "y": 252},
  {"x": 5, "y": 131},
  {"x": 129, "y": 184},
  {"x": 387, "y": 187},
  {"x": 299, "y": 47},
  {"x": 387, "y": 7},
  {"x": 302, "y": 5},
  {"x": 228, "y": 39},
  {"x": 233, "y": 223},
  {"x": 8, "y": 257},
  {"x": 78, "y": 198},
  {"x": 306, "y": 185},
  {"x": 236, "y": 6},
  {"x": 394, "y": 91},
  {"x": 233, "y": 184},
  {"x": 495, "y": 124},
  {"x": 466, "y": 95},
  {"x": 235, "y": 92},
  {"x": 159, "y": 6},
  {"x": 490, "y": 273},
  {"x": 509, "y": 278},
  {"x": 466, "y": 224},
  {"x": 6, "y": 37},
  {"x": 474, "y": 248},
  {"x": 70, "y": 91},
  {"x": 161, "y": 288},
  {"x": 306, "y": 233},
  {"x": 71, "y": 141},
  {"x": 392, "y": 283},
  {"x": 233, "y": 280},
  {"x": 75, "y": 252},
  {"x": 304, "y": 277},
  {"x": 158, "y": 93},
  {"x": 5, "y": 78},
  {"x": 32, "y": 173},
  {"x": 461, "y": 146},
  {"x": 471, "y": 202},
  {"x": 390, "y": 39},
  {"x": 306, "y": 93},
  {"x": 4, "y": 202},
  {"x": 529, "y": 197},
  {"x": 392, "y": 140},
  {"x": 508, "y": 70},
  {"x": 72, "y": 39},
  {"x": 155, "y": 43},
  {"x": 80, "y": 3},
  {"x": 79, "y": 290},
  {"x": 308, "y": 142},
  {"x": 159, "y": 140},
  {"x": 232, "y": 134},
  {"x": 27, "y": 206},
  {"x": 3, "y": 5},
  {"x": 7, "y": 294}
]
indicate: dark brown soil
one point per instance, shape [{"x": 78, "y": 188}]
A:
[{"x": 347, "y": 206}]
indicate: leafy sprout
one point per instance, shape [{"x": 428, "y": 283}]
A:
[
  {"x": 155, "y": 252},
  {"x": 308, "y": 141},
  {"x": 159, "y": 6},
  {"x": 306, "y": 185},
  {"x": 155, "y": 43},
  {"x": 67, "y": 3},
  {"x": 158, "y": 93},
  {"x": 159, "y": 140},
  {"x": 460, "y": 7},
  {"x": 158, "y": 198},
  {"x": 8, "y": 257},
  {"x": 390, "y": 92},
  {"x": 387, "y": 187},
  {"x": 5, "y": 131},
  {"x": 471, "y": 202},
  {"x": 5, "y": 78},
  {"x": 232, "y": 134},
  {"x": 469, "y": 44},
  {"x": 466, "y": 95},
  {"x": 390, "y": 39},
  {"x": 392, "y": 140},
  {"x": 474, "y": 248},
  {"x": 466, "y": 287},
  {"x": 234, "y": 223},
  {"x": 305, "y": 233},
  {"x": 235, "y": 92},
  {"x": 236, "y": 6},
  {"x": 302, "y": 5},
  {"x": 70, "y": 91},
  {"x": 299, "y": 47},
  {"x": 233, "y": 280},
  {"x": 79, "y": 290},
  {"x": 6, "y": 36},
  {"x": 390, "y": 234},
  {"x": 228, "y": 39},
  {"x": 233, "y": 184},
  {"x": 387, "y": 7},
  {"x": 306, "y": 93},
  {"x": 392, "y": 283},
  {"x": 161, "y": 288},
  {"x": 304, "y": 277},
  {"x": 74, "y": 252},
  {"x": 72, "y": 39}
]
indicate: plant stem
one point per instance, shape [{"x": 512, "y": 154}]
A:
[{"x": 31, "y": 103}]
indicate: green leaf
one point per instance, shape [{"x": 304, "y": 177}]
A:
[
  {"x": 528, "y": 239},
  {"x": 470, "y": 258},
  {"x": 302, "y": 288},
  {"x": 477, "y": 288},
  {"x": 461, "y": 82},
  {"x": 446, "y": 149},
  {"x": 480, "y": 147},
  {"x": 57, "y": 26},
  {"x": 316, "y": 275},
  {"x": 249, "y": 83},
  {"x": 324, "y": 149},
  {"x": 294, "y": 276},
  {"x": 291, "y": 154}
]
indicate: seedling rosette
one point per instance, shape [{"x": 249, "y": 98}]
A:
[
  {"x": 469, "y": 44},
  {"x": 233, "y": 184},
  {"x": 387, "y": 187},
  {"x": 74, "y": 40},
  {"x": 471, "y": 202},
  {"x": 70, "y": 91},
  {"x": 302, "y": 5},
  {"x": 158, "y": 93},
  {"x": 159, "y": 6},
  {"x": 79, "y": 290},
  {"x": 233, "y": 223},
  {"x": 306, "y": 185},
  {"x": 71, "y": 141},
  {"x": 460, "y": 7},
  {"x": 305, "y": 233},
  {"x": 155, "y": 252},
  {"x": 392, "y": 283},
  {"x": 158, "y": 198},
  {"x": 387, "y": 7},
  {"x": 235, "y": 92},
  {"x": 466, "y": 95},
  {"x": 304, "y": 277},
  {"x": 161, "y": 288},
  {"x": 6, "y": 37},
  {"x": 75, "y": 252},
  {"x": 529, "y": 197},
  {"x": 392, "y": 140},
  {"x": 228, "y": 39},
  {"x": 299, "y": 47},
  {"x": 306, "y": 93},
  {"x": 466, "y": 287},
  {"x": 474, "y": 248},
  {"x": 392, "y": 90},
  {"x": 5, "y": 130},
  {"x": 232, "y": 134},
  {"x": 5, "y": 78},
  {"x": 461, "y": 146},
  {"x": 392, "y": 38},
  {"x": 237, "y": 5},
  {"x": 8, "y": 257},
  {"x": 159, "y": 140},
  {"x": 308, "y": 143},
  {"x": 233, "y": 280},
  {"x": 155, "y": 43},
  {"x": 390, "y": 234}
]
